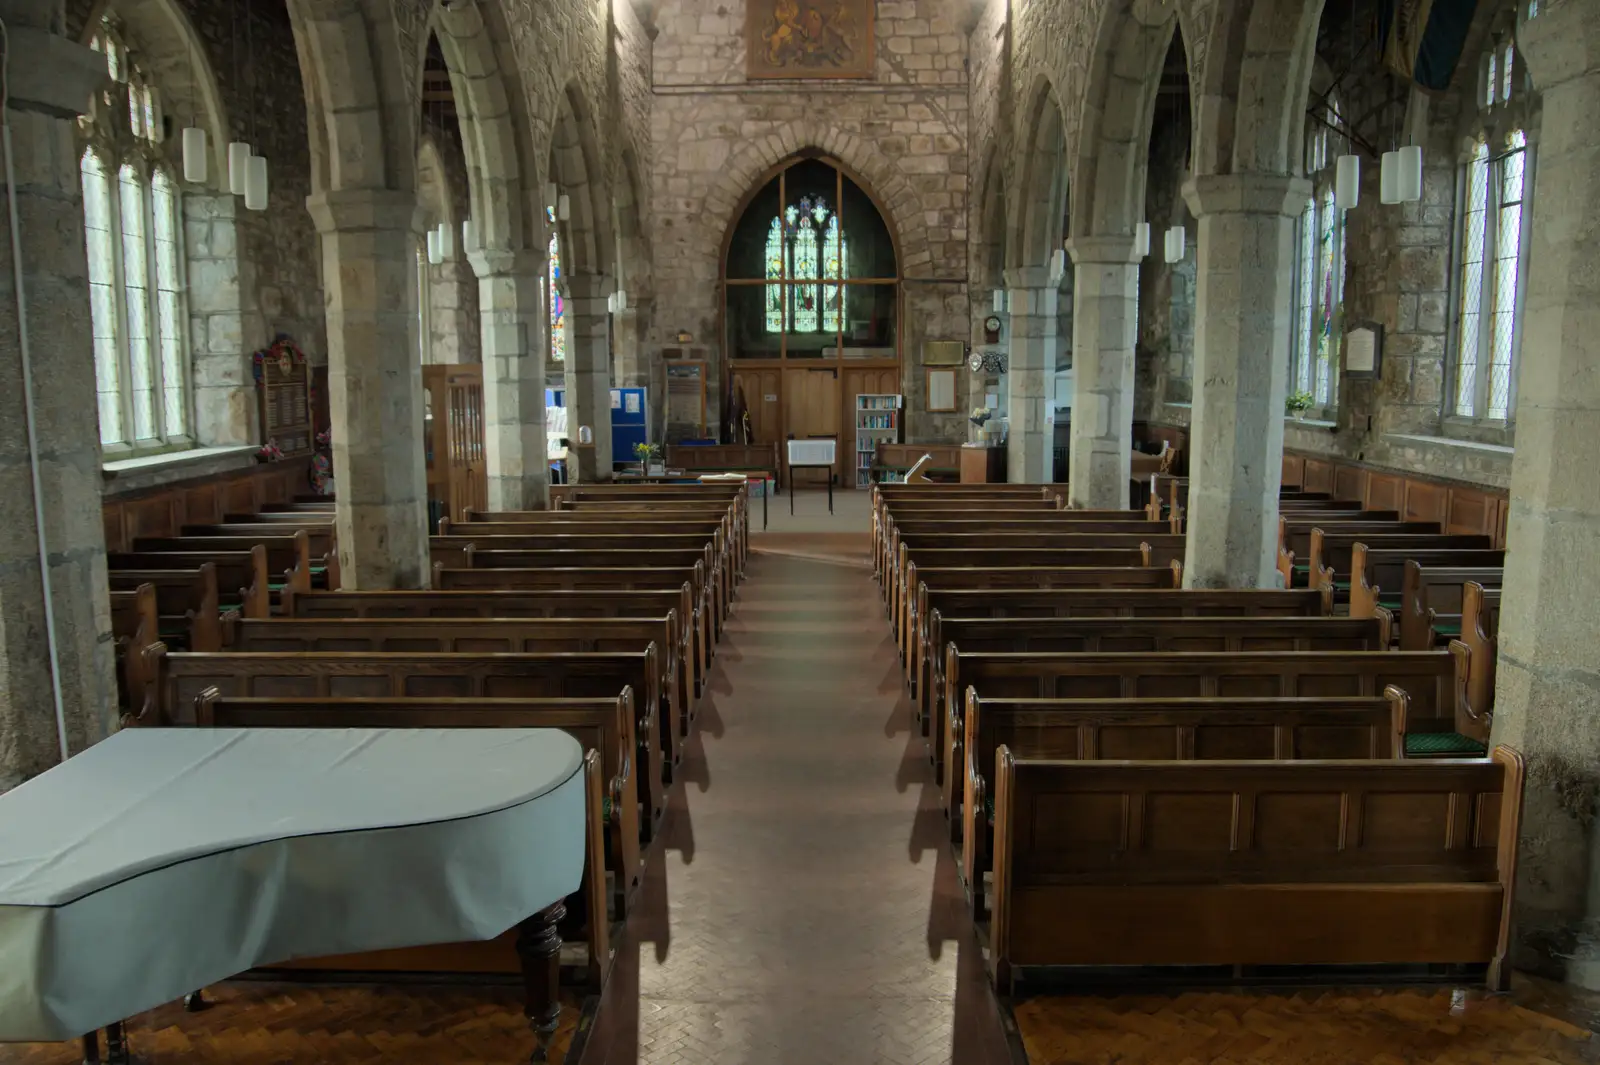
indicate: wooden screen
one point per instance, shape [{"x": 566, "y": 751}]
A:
[{"x": 458, "y": 477}]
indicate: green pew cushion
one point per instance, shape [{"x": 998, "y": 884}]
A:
[
  {"x": 1442, "y": 744},
  {"x": 1447, "y": 628}
]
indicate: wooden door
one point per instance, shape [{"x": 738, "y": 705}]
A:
[
  {"x": 763, "y": 398},
  {"x": 811, "y": 401}
]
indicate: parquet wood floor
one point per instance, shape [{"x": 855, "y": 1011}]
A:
[
  {"x": 274, "y": 1024},
  {"x": 1320, "y": 1027}
]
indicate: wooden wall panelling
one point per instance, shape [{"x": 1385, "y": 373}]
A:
[
  {"x": 1426, "y": 501},
  {"x": 1294, "y": 471},
  {"x": 1385, "y": 491},
  {"x": 1349, "y": 482},
  {"x": 1319, "y": 476},
  {"x": 1471, "y": 511},
  {"x": 163, "y": 511}
]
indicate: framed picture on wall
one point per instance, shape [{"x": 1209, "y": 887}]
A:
[
  {"x": 941, "y": 386},
  {"x": 1363, "y": 350}
]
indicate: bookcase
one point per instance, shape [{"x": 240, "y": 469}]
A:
[{"x": 877, "y": 422}]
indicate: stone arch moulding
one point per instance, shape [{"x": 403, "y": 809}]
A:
[
  {"x": 587, "y": 243},
  {"x": 175, "y": 56},
  {"x": 743, "y": 176},
  {"x": 1039, "y": 208},
  {"x": 433, "y": 185},
  {"x": 339, "y": 65},
  {"x": 988, "y": 225},
  {"x": 1108, "y": 161},
  {"x": 634, "y": 267},
  {"x": 484, "y": 93}
]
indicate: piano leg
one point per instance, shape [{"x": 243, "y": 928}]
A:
[
  {"x": 91, "y": 1048},
  {"x": 539, "y": 949}
]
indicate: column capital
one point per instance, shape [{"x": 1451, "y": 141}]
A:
[
  {"x": 1116, "y": 250},
  {"x": 1247, "y": 193},
  {"x": 508, "y": 262},
  {"x": 588, "y": 286},
  {"x": 347, "y": 210},
  {"x": 1561, "y": 42},
  {"x": 1030, "y": 277},
  {"x": 49, "y": 73}
]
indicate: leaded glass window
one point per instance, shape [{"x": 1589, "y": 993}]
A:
[
  {"x": 132, "y": 225},
  {"x": 1317, "y": 324},
  {"x": 1494, "y": 187},
  {"x": 558, "y": 304},
  {"x": 806, "y": 248}
]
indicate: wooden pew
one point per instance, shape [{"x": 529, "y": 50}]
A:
[
  {"x": 186, "y": 600},
  {"x": 631, "y": 511},
  {"x": 1294, "y": 536},
  {"x": 289, "y": 565},
  {"x": 387, "y": 675},
  {"x": 1162, "y": 549},
  {"x": 565, "y": 523},
  {"x": 242, "y": 575},
  {"x": 1146, "y": 636},
  {"x": 708, "y": 580},
  {"x": 1430, "y": 611},
  {"x": 675, "y": 604},
  {"x": 1201, "y": 729},
  {"x": 1426, "y": 677},
  {"x": 1475, "y": 653},
  {"x": 1331, "y": 551},
  {"x": 322, "y": 542},
  {"x": 619, "y": 579},
  {"x": 912, "y": 632},
  {"x": 725, "y": 458},
  {"x": 1377, "y": 575},
  {"x": 485, "y": 636},
  {"x": 604, "y": 725},
  {"x": 136, "y": 628},
  {"x": 1254, "y": 863},
  {"x": 1092, "y": 603}
]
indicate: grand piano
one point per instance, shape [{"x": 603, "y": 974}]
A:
[{"x": 163, "y": 860}]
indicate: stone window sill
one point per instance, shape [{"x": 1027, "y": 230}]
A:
[
  {"x": 151, "y": 471},
  {"x": 1312, "y": 423},
  {"x": 1474, "y": 447}
]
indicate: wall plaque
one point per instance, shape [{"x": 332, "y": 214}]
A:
[{"x": 809, "y": 38}]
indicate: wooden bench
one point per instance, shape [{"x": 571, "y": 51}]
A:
[
  {"x": 602, "y": 724},
  {"x": 289, "y": 565},
  {"x": 721, "y": 528},
  {"x": 1092, "y": 603},
  {"x": 628, "y": 579},
  {"x": 1254, "y": 863},
  {"x": 136, "y": 630},
  {"x": 1091, "y": 730},
  {"x": 186, "y": 601},
  {"x": 912, "y": 627},
  {"x": 322, "y": 544},
  {"x": 675, "y": 604},
  {"x": 886, "y": 547},
  {"x": 725, "y": 458},
  {"x": 1141, "y": 636},
  {"x": 1294, "y": 536},
  {"x": 1475, "y": 653},
  {"x": 242, "y": 576},
  {"x": 184, "y": 677},
  {"x": 709, "y": 579},
  {"x": 1430, "y": 611},
  {"x": 485, "y": 636},
  {"x": 1377, "y": 575},
  {"x": 1160, "y": 549},
  {"x": 1331, "y": 554},
  {"x": 1426, "y": 677}
]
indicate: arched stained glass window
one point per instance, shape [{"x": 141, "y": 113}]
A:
[
  {"x": 131, "y": 230},
  {"x": 558, "y": 305},
  {"x": 775, "y": 274},
  {"x": 833, "y": 254},
  {"x": 1317, "y": 325}
]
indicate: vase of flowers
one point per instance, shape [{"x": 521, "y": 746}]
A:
[
  {"x": 649, "y": 456},
  {"x": 980, "y": 417},
  {"x": 1295, "y": 404}
]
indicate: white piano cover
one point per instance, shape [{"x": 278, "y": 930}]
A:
[
  {"x": 811, "y": 452},
  {"x": 163, "y": 860}
]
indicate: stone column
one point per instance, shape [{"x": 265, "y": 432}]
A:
[
  {"x": 1549, "y": 654},
  {"x": 1105, "y": 322},
  {"x": 1244, "y": 255},
  {"x": 511, "y": 287},
  {"x": 1031, "y": 366},
  {"x": 589, "y": 372},
  {"x": 375, "y": 385},
  {"x": 51, "y": 79}
]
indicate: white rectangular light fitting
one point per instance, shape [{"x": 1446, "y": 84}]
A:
[
  {"x": 195, "y": 146},
  {"x": 255, "y": 184},
  {"x": 1347, "y": 181},
  {"x": 239, "y": 154}
]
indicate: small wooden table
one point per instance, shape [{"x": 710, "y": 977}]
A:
[{"x": 812, "y": 455}]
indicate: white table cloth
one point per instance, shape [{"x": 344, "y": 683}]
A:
[
  {"x": 812, "y": 452},
  {"x": 163, "y": 860}
]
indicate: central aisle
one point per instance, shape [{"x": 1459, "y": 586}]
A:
[{"x": 805, "y": 908}]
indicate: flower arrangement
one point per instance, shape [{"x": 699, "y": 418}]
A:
[
  {"x": 647, "y": 453},
  {"x": 269, "y": 452},
  {"x": 980, "y": 415},
  {"x": 1297, "y": 403},
  {"x": 283, "y": 352}
]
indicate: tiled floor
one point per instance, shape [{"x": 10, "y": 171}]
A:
[{"x": 803, "y": 908}]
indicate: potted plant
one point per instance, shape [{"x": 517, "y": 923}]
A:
[{"x": 1297, "y": 403}]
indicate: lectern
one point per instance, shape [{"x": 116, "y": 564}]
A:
[{"x": 815, "y": 455}]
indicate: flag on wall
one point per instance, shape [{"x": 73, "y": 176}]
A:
[{"x": 1422, "y": 39}]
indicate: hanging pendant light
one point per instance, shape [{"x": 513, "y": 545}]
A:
[
  {"x": 1141, "y": 239},
  {"x": 434, "y": 258},
  {"x": 999, "y": 301},
  {"x": 1408, "y": 182},
  {"x": 469, "y": 237},
  {"x": 1058, "y": 266},
  {"x": 194, "y": 155},
  {"x": 239, "y": 155},
  {"x": 1175, "y": 239},
  {"x": 564, "y": 207},
  {"x": 1389, "y": 178},
  {"x": 622, "y": 299},
  {"x": 1347, "y": 181},
  {"x": 255, "y": 186},
  {"x": 611, "y": 302},
  {"x": 447, "y": 241}
]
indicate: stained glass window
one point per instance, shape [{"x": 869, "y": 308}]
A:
[
  {"x": 1317, "y": 323},
  {"x": 1305, "y": 300},
  {"x": 132, "y": 228},
  {"x": 558, "y": 305},
  {"x": 805, "y": 247},
  {"x": 1494, "y": 196}
]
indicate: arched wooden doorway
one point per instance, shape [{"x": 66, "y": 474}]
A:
[{"x": 811, "y": 306}]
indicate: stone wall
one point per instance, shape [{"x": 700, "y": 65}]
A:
[
  {"x": 903, "y": 134},
  {"x": 455, "y": 332}
]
